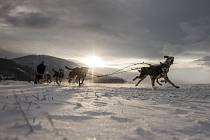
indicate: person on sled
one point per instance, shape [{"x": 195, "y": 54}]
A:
[{"x": 39, "y": 72}]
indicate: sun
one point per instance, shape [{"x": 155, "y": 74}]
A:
[{"x": 94, "y": 61}]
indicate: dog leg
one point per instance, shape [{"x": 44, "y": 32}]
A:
[
  {"x": 153, "y": 82},
  {"x": 163, "y": 81},
  {"x": 157, "y": 80},
  {"x": 136, "y": 78},
  {"x": 83, "y": 79},
  {"x": 79, "y": 82},
  {"x": 141, "y": 79},
  {"x": 168, "y": 80}
]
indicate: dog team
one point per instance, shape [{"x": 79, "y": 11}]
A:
[{"x": 78, "y": 74}]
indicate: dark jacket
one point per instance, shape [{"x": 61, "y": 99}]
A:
[{"x": 41, "y": 68}]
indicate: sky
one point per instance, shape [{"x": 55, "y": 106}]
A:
[{"x": 118, "y": 31}]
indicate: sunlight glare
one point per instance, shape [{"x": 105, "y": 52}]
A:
[{"x": 94, "y": 61}]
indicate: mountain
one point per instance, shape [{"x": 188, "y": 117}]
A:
[
  {"x": 11, "y": 70},
  {"x": 27, "y": 65},
  {"x": 51, "y": 62}
]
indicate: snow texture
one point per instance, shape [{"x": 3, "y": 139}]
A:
[{"x": 103, "y": 112}]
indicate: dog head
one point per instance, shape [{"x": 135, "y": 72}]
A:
[
  {"x": 84, "y": 70},
  {"x": 164, "y": 67},
  {"x": 169, "y": 60}
]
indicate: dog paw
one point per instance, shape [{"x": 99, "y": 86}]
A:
[{"x": 154, "y": 88}]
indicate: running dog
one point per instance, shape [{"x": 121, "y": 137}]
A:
[
  {"x": 77, "y": 75},
  {"x": 48, "y": 78},
  {"x": 81, "y": 75},
  {"x": 157, "y": 72},
  {"x": 73, "y": 74},
  {"x": 58, "y": 75}
]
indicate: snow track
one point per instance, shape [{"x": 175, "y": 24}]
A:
[{"x": 103, "y": 112}]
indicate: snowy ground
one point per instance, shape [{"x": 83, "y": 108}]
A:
[{"x": 103, "y": 112}]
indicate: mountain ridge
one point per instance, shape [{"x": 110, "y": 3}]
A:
[{"x": 51, "y": 62}]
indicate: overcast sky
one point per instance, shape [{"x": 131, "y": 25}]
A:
[{"x": 118, "y": 30}]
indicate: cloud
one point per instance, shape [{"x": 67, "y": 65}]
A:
[
  {"x": 196, "y": 30},
  {"x": 7, "y": 5},
  {"x": 204, "y": 61},
  {"x": 23, "y": 16},
  {"x": 120, "y": 28}
]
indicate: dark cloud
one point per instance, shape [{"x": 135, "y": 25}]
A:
[
  {"x": 30, "y": 20},
  {"x": 196, "y": 30},
  {"x": 121, "y": 28},
  {"x": 7, "y": 5},
  {"x": 19, "y": 13}
]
